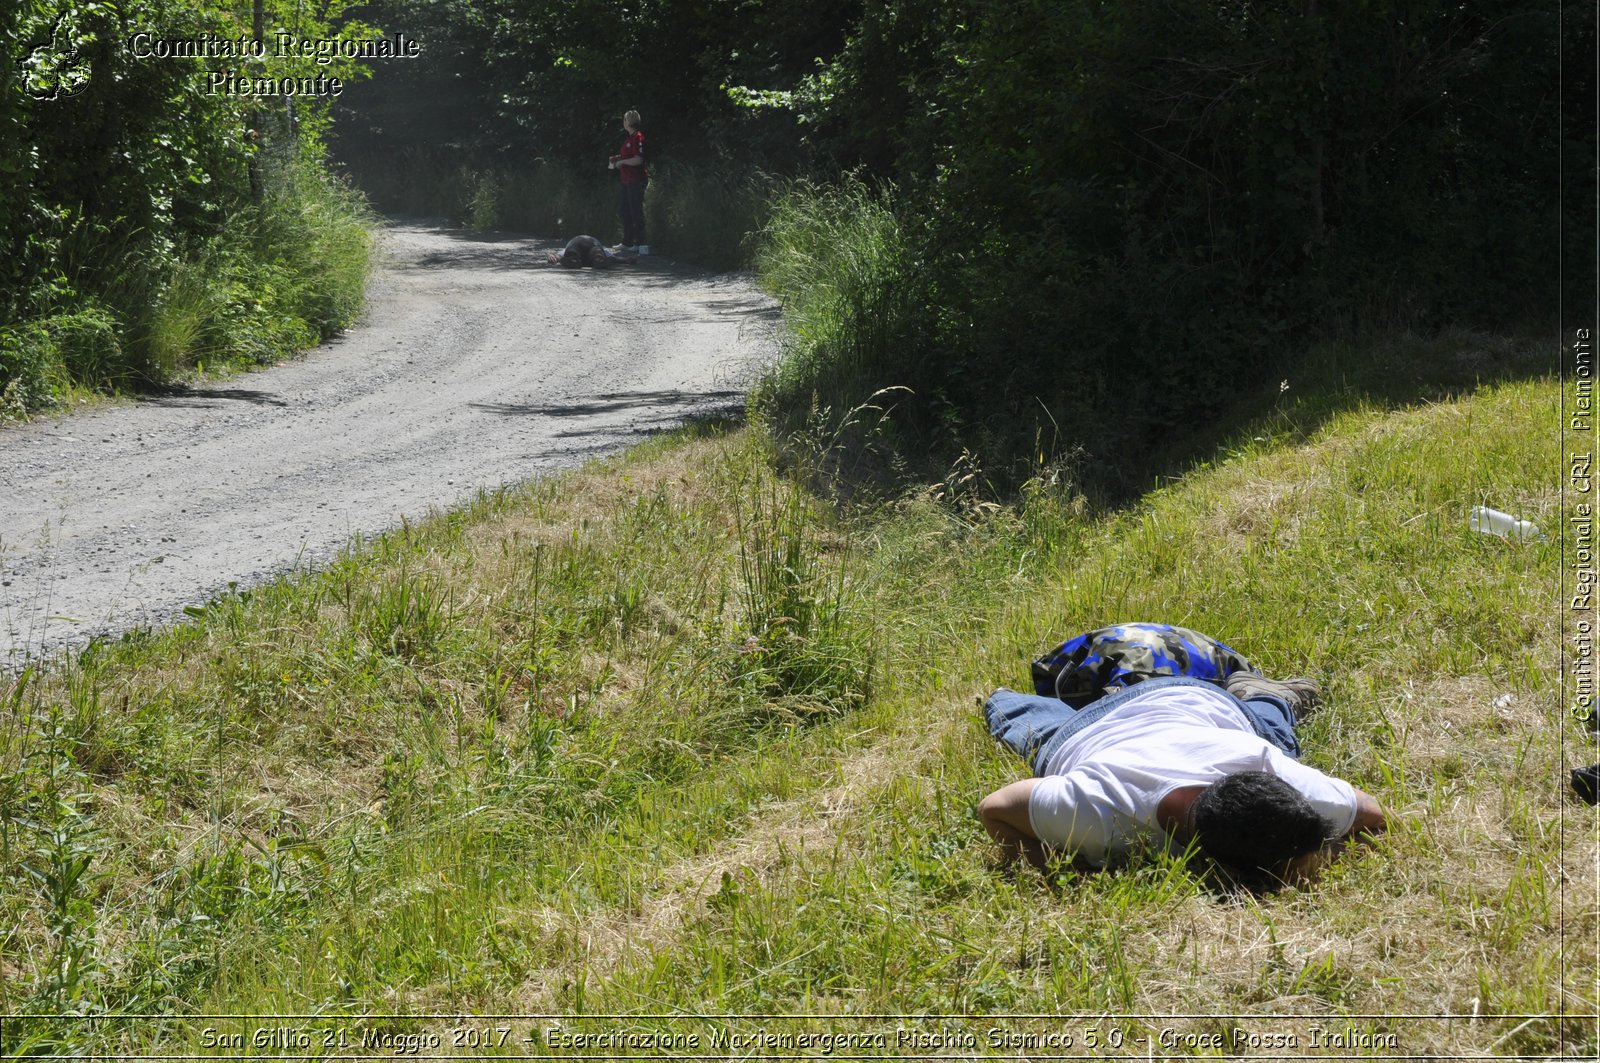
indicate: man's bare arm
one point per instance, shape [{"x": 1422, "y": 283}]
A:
[{"x": 1005, "y": 817}]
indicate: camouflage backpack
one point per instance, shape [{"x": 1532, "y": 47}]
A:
[{"x": 1101, "y": 662}]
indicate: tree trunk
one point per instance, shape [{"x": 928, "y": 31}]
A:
[{"x": 258, "y": 20}]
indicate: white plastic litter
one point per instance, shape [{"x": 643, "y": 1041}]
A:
[{"x": 1493, "y": 522}]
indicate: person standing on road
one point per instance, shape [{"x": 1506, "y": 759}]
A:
[{"x": 635, "y": 173}]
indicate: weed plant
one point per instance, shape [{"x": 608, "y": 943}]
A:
[
  {"x": 669, "y": 736},
  {"x": 837, "y": 258}
]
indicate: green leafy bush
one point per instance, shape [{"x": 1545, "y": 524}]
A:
[
  {"x": 31, "y": 367},
  {"x": 39, "y": 358},
  {"x": 146, "y": 227}
]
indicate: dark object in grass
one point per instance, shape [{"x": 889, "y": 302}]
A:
[{"x": 1586, "y": 783}]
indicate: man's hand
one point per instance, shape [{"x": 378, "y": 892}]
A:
[
  {"x": 1370, "y": 821},
  {"x": 1370, "y": 818}
]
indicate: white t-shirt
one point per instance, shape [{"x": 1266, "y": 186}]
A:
[{"x": 1101, "y": 788}]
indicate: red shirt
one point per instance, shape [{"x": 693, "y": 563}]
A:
[{"x": 633, "y": 147}]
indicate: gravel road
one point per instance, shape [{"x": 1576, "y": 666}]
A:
[{"x": 476, "y": 365}]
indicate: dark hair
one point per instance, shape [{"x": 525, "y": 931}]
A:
[{"x": 1255, "y": 822}]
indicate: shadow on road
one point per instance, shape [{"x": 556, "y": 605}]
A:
[
  {"x": 479, "y": 249},
  {"x": 744, "y": 306},
  {"x": 197, "y": 397},
  {"x": 611, "y": 402}
]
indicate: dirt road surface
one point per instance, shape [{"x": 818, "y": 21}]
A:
[{"x": 476, "y": 365}]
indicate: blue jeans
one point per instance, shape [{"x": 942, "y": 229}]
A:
[{"x": 1036, "y": 727}]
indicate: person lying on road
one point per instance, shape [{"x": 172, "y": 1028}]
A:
[{"x": 582, "y": 251}]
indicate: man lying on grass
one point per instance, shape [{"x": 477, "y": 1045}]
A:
[{"x": 1208, "y": 755}]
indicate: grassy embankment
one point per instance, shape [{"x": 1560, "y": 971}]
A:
[{"x": 665, "y": 735}]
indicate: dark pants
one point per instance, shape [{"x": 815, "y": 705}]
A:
[{"x": 631, "y": 205}]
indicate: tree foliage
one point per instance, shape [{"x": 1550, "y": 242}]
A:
[
  {"x": 118, "y": 166},
  {"x": 503, "y": 83},
  {"x": 1123, "y": 213}
]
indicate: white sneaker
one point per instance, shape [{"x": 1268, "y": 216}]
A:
[
  {"x": 644, "y": 249},
  {"x": 630, "y": 248}
]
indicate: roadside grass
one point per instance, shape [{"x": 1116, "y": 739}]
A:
[
  {"x": 287, "y": 274},
  {"x": 856, "y": 337},
  {"x": 670, "y": 736},
  {"x": 1348, "y": 558}
]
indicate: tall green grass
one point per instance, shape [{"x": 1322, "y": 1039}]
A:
[
  {"x": 671, "y": 736},
  {"x": 854, "y": 357},
  {"x": 836, "y": 255},
  {"x": 897, "y": 361}
]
